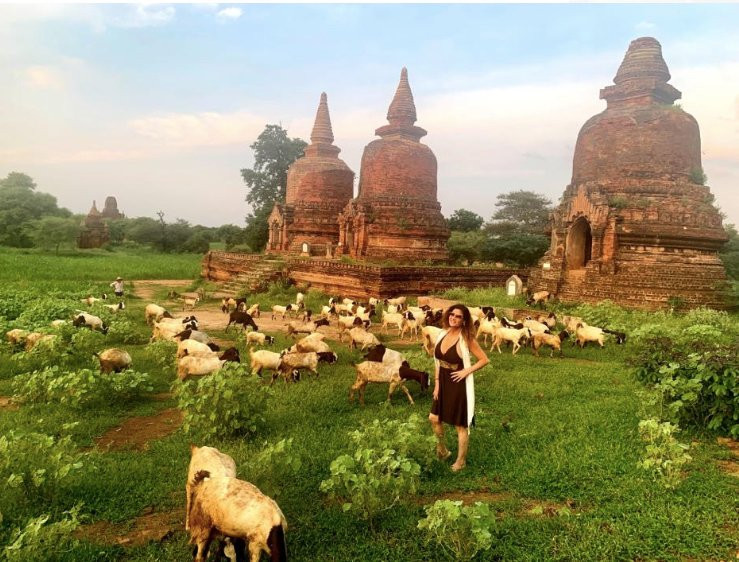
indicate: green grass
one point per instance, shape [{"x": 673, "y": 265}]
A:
[
  {"x": 27, "y": 267},
  {"x": 559, "y": 432}
]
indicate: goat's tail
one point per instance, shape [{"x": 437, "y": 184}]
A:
[{"x": 276, "y": 544}]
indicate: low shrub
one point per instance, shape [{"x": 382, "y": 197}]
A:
[
  {"x": 123, "y": 330},
  {"x": 382, "y": 468},
  {"x": 273, "y": 464},
  {"x": 34, "y": 463},
  {"x": 227, "y": 403},
  {"x": 665, "y": 457},
  {"x": 461, "y": 531},
  {"x": 82, "y": 387},
  {"x": 41, "y": 540}
]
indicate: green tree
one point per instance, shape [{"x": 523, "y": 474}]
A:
[
  {"x": 730, "y": 252},
  {"x": 230, "y": 234},
  {"x": 51, "y": 232},
  {"x": 266, "y": 182},
  {"x": 466, "y": 246},
  {"x": 520, "y": 249},
  {"x": 520, "y": 211},
  {"x": 20, "y": 204},
  {"x": 463, "y": 220}
]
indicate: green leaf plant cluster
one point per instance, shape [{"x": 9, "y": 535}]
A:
[
  {"x": 228, "y": 403},
  {"x": 82, "y": 387},
  {"x": 461, "y": 531},
  {"x": 384, "y": 467}
]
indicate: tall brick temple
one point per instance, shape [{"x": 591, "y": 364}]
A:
[
  {"x": 396, "y": 213},
  {"x": 636, "y": 224},
  {"x": 94, "y": 232},
  {"x": 319, "y": 185}
]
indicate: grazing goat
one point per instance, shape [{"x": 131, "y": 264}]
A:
[
  {"x": 196, "y": 335},
  {"x": 397, "y": 301},
  {"x": 555, "y": 342},
  {"x": 620, "y": 336},
  {"x": 511, "y": 335},
  {"x": 154, "y": 313},
  {"x": 394, "y": 318},
  {"x": 198, "y": 366},
  {"x": 571, "y": 323},
  {"x": 296, "y": 327},
  {"x": 115, "y": 307},
  {"x": 253, "y": 310},
  {"x": 295, "y": 361},
  {"x": 359, "y": 337},
  {"x": 189, "y": 300},
  {"x": 430, "y": 334},
  {"x": 258, "y": 338},
  {"x": 550, "y": 320},
  {"x": 195, "y": 348},
  {"x": 230, "y": 303},
  {"x": 487, "y": 328},
  {"x": 16, "y": 336},
  {"x": 277, "y": 309},
  {"x": 372, "y": 371},
  {"x": 535, "y": 326},
  {"x": 513, "y": 325},
  {"x": 411, "y": 323},
  {"x": 263, "y": 359},
  {"x": 308, "y": 344},
  {"x": 406, "y": 373},
  {"x": 382, "y": 354},
  {"x": 90, "y": 321},
  {"x": 113, "y": 359},
  {"x": 240, "y": 317},
  {"x": 35, "y": 338},
  {"x": 206, "y": 458},
  {"x": 89, "y": 301},
  {"x": 585, "y": 334},
  {"x": 237, "y": 509},
  {"x": 539, "y": 298}
]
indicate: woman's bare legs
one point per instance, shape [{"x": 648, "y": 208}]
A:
[
  {"x": 441, "y": 451},
  {"x": 463, "y": 438}
]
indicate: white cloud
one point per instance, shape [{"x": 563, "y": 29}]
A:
[
  {"x": 645, "y": 26},
  {"x": 145, "y": 15},
  {"x": 200, "y": 129},
  {"x": 44, "y": 77},
  {"x": 226, "y": 14}
]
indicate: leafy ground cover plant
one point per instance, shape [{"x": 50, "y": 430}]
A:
[
  {"x": 41, "y": 540},
  {"x": 665, "y": 457},
  {"x": 382, "y": 468},
  {"x": 79, "y": 388},
  {"x": 274, "y": 464},
  {"x": 227, "y": 403},
  {"x": 34, "y": 464},
  {"x": 461, "y": 531}
]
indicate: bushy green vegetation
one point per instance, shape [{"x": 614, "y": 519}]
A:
[
  {"x": 460, "y": 531},
  {"x": 556, "y": 453}
]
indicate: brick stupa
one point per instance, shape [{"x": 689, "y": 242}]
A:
[
  {"x": 110, "y": 211},
  {"x": 396, "y": 214},
  {"x": 319, "y": 185},
  {"x": 636, "y": 225},
  {"x": 94, "y": 231}
]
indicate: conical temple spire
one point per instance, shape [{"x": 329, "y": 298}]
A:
[
  {"x": 322, "y": 132},
  {"x": 401, "y": 114},
  {"x": 643, "y": 60},
  {"x": 94, "y": 209},
  {"x": 642, "y": 77},
  {"x": 402, "y": 110}
]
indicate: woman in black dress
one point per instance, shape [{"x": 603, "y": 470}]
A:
[{"x": 454, "y": 388}]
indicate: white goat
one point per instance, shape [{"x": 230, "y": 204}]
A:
[
  {"x": 372, "y": 371},
  {"x": 279, "y": 309},
  {"x": 394, "y": 318},
  {"x": 206, "y": 458},
  {"x": 511, "y": 335},
  {"x": 113, "y": 359},
  {"x": 237, "y": 509},
  {"x": 584, "y": 334},
  {"x": 362, "y": 338},
  {"x": 258, "y": 338},
  {"x": 263, "y": 359}
]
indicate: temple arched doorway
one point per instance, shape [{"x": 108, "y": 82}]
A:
[{"x": 579, "y": 244}]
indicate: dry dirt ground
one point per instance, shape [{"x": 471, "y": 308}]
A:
[
  {"x": 136, "y": 433},
  {"x": 149, "y": 526}
]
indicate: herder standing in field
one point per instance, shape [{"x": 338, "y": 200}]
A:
[
  {"x": 454, "y": 387},
  {"x": 118, "y": 286}
]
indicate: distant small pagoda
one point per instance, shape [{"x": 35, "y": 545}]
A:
[{"x": 95, "y": 231}]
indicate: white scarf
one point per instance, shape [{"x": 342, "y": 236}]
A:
[{"x": 469, "y": 380}]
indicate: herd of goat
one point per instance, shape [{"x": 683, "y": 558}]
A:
[{"x": 221, "y": 505}]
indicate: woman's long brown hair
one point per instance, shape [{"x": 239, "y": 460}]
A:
[{"x": 468, "y": 327}]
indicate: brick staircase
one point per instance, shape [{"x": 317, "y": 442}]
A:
[{"x": 261, "y": 273}]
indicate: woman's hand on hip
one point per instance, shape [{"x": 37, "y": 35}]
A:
[
  {"x": 458, "y": 376},
  {"x": 436, "y": 392}
]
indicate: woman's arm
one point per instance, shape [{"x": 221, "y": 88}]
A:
[
  {"x": 482, "y": 360},
  {"x": 436, "y": 381}
]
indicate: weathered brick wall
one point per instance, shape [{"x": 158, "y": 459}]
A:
[
  {"x": 222, "y": 266},
  {"x": 326, "y": 180},
  {"x": 398, "y": 167},
  {"x": 362, "y": 281}
]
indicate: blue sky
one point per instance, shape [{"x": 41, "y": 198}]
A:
[{"x": 157, "y": 104}]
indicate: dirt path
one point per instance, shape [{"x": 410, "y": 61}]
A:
[
  {"x": 136, "y": 433},
  {"x": 6, "y": 403},
  {"x": 150, "y": 526},
  {"x": 145, "y": 288}
]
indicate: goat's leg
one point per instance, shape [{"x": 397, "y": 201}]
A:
[
  {"x": 408, "y": 394},
  {"x": 516, "y": 347},
  {"x": 255, "y": 550},
  {"x": 203, "y": 544},
  {"x": 361, "y": 393}
]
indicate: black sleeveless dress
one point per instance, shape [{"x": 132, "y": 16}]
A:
[{"x": 451, "y": 406}]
